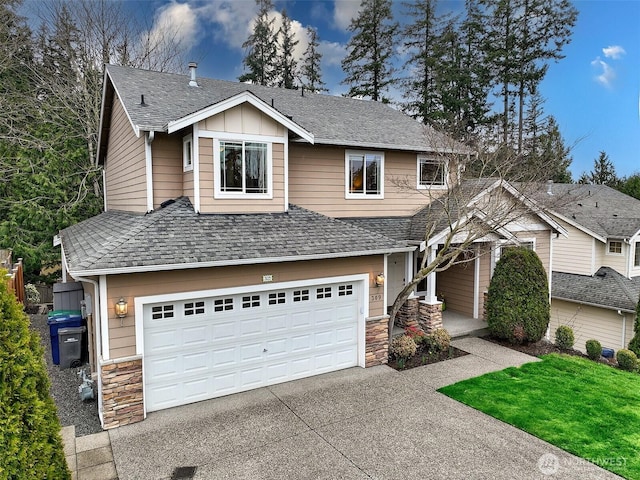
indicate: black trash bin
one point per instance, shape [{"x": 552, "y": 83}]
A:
[{"x": 70, "y": 346}]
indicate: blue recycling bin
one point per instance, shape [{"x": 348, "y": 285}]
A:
[{"x": 57, "y": 322}]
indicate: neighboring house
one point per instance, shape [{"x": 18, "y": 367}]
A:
[
  {"x": 596, "y": 268},
  {"x": 257, "y": 235}
]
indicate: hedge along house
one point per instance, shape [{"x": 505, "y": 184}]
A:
[{"x": 250, "y": 236}]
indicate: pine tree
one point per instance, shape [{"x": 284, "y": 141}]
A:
[
  {"x": 287, "y": 65},
  {"x": 368, "y": 64},
  {"x": 261, "y": 46},
  {"x": 603, "y": 173},
  {"x": 422, "y": 39},
  {"x": 310, "y": 73}
]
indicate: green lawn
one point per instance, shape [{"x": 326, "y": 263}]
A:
[{"x": 583, "y": 407}]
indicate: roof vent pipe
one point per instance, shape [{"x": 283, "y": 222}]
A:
[
  {"x": 192, "y": 70},
  {"x": 550, "y": 187},
  {"x": 142, "y": 104}
]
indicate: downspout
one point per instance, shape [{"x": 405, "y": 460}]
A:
[
  {"x": 195, "y": 143},
  {"x": 149, "y": 168},
  {"x": 98, "y": 333}
]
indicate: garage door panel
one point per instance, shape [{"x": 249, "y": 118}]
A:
[{"x": 209, "y": 347}]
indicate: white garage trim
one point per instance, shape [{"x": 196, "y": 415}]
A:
[{"x": 362, "y": 302}]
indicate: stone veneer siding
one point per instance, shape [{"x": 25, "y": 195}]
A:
[
  {"x": 122, "y": 401},
  {"x": 430, "y": 316},
  {"x": 377, "y": 341},
  {"x": 408, "y": 312}
]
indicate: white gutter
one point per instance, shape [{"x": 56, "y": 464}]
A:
[
  {"x": 243, "y": 261},
  {"x": 579, "y": 302},
  {"x": 96, "y": 315},
  {"x": 148, "y": 156}
]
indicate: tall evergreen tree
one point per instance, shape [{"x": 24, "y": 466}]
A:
[
  {"x": 262, "y": 49},
  {"x": 287, "y": 64},
  {"x": 422, "y": 38},
  {"x": 603, "y": 173},
  {"x": 310, "y": 72},
  {"x": 368, "y": 63}
]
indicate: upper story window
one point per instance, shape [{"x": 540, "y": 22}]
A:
[
  {"x": 187, "y": 153},
  {"x": 636, "y": 258},
  {"x": 432, "y": 172},
  {"x": 364, "y": 174},
  {"x": 614, "y": 247},
  {"x": 243, "y": 168}
]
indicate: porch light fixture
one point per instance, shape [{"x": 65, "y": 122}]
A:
[
  {"x": 121, "y": 308},
  {"x": 380, "y": 280}
]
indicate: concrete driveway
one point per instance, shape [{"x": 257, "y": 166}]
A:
[{"x": 352, "y": 424}]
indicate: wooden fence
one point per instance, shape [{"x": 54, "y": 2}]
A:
[{"x": 15, "y": 275}]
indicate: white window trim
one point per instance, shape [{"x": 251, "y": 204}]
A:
[
  {"x": 445, "y": 163},
  {"x": 362, "y": 196},
  {"x": 217, "y": 193},
  {"x": 635, "y": 264},
  {"x": 614, "y": 254},
  {"x": 497, "y": 251},
  {"x": 187, "y": 147}
]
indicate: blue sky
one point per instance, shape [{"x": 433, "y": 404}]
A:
[{"x": 594, "y": 92}]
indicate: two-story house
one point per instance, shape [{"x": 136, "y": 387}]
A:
[
  {"x": 596, "y": 268},
  {"x": 256, "y": 235}
]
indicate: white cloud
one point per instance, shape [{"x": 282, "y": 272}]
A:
[
  {"x": 332, "y": 52},
  {"x": 232, "y": 20},
  {"x": 614, "y": 51},
  {"x": 344, "y": 11},
  {"x": 176, "y": 22},
  {"x": 607, "y": 74}
]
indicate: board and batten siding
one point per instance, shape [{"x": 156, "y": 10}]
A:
[
  {"x": 244, "y": 119},
  {"x": 589, "y": 322},
  {"x": 167, "y": 168},
  {"x": 574, "y": 253},
  {"x": 125, "y": 165},
  {"x": 122, "y": 342},
  {"x": 209, "y": 204},
  {"x": 317, "y": 182}
]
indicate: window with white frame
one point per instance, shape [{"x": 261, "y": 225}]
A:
[
  {"x": 187, "y": 153},
  {"x": 432, "y": 172},
  {"x": 614, "y": 247},
  {"x": 364, "y": 174},
  {"x": 529, "y": 244},
  {"x": 636, "y": 258},
  {"x": 243, "y": 167}
]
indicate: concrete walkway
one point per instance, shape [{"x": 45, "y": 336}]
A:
[
  {"x": 89, "y": 457},
  {"x": 352, "y": 424}
]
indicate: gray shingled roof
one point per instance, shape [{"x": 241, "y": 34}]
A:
[
  {"x": 177, "y": 235},
  {"x": 598, "y": 208},
  {"x": 392, "y": 227},
  {"x": 332, "y": 120},
  {"x": 607, "y": 288}
]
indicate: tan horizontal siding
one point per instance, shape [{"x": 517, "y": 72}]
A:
[
  {"x": 187, "y": 186},
  {"x": 617, "y": 262},
  {"x": 317, "y": 182},
  {"x": 589, "y": 322},
  {"x": 125, "y": 170},
  {"x": 574, "y": 253},
  {"x": 485, "y": 276},
  {"x": 122, "y": 339},
  {"x": 456, "y": 285},
  {"x": 167, "y": 168}
]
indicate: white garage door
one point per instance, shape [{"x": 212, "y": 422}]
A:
[{"x": 202, "y": 348}]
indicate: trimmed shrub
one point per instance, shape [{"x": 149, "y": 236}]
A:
[
  {"x": 518, "y": 301},
  {"x": 594, "y": 349},
  {"x": 634, "y": 344},
  {"x": 627, "y": 360},
  {"x": 403, "y": 346},
  {"x": 438, "y": 341},
  {"x": 415, "y": 333},
  {"x": 29, "y": 429},
  {"x": 564, "y": 337}
]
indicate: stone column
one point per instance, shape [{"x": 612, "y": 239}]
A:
[
  {"x": 377, "y": 341},
  {"x": 122, "y": 401},
  {"x": 430, "y": 316},
  {"x": 408, "y": 313}
]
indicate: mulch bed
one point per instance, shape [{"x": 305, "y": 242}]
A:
[{"x": 423, "y": 357}]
